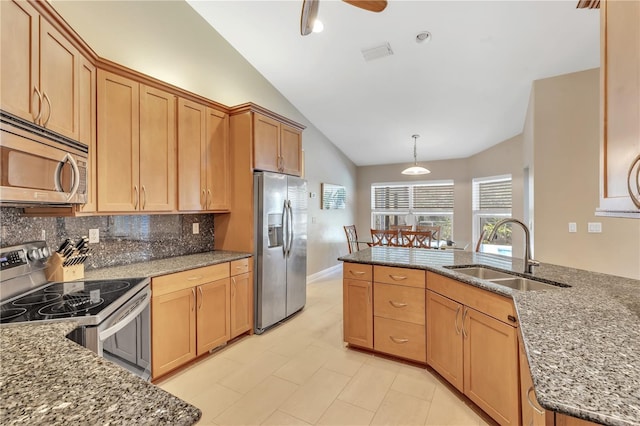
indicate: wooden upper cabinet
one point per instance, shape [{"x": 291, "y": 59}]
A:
[
  {"x": 291, "y": 150},
  {"x": 20, "y": 56},
  {"x": 118, "y": 143},
  {"x": 87, "y": 127},
  {"x": 266, "y": 143},
  {"x": 40, "y": 70},
  {"x": 276, "y": 146},
  {"x": 203, "y": 158},
  {"x": 157, "y": 150},
  {"x": 620, "y": 107},
  {"x": 217, "y": 160}
]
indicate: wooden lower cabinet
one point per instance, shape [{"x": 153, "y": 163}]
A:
[
  {"x": 564, "y": 420},
  {"x": 358, "y": 313},
  {"x": 532, "y": 413},
  {"x": 192, "y": 312},
  {"x": 213, "y": 315},
  {"x": 241, "y": 297},
  {"x": 173, "y": 330},
  {"x": 399, "y": 338}
]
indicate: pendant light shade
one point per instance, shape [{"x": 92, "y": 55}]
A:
[{"x": 415, "y": 169}]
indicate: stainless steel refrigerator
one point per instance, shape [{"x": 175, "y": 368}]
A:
[{"x": 281, "y": 247}]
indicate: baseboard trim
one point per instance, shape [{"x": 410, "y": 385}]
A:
[{"x": 324, "y": 273}]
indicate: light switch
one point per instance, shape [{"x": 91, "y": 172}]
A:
[
  {"x": 594, "y": 227},
  {"x": 573, "y": 227}
]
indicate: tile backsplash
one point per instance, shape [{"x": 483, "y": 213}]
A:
[{"x": 123, "y": 239}]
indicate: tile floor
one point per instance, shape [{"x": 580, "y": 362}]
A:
[{"x": 301, "y": 373}]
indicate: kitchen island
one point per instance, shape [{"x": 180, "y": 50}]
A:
[
  {"x": 47, "y": 379},
  {"x": 582, "y": 342}
]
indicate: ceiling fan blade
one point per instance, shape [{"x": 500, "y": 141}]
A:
[
  {"x": 309, "y": 14},
  {"x": 370, "y": 5}
]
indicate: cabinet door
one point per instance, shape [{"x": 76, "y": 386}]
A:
[
  {"x": 59, "y": 78},
  {"x": 157, "y": 150},
  {"x": 291, "y": 150},
  {"x": 191, "y": 163},
  {"x": 19, "y": 79},
  {"x": 214, "y": 303},
  {"x": 241, "y": 304},
  {"x": 217, "y": 160},
  {"x": 491, "y": 366},
  {"x": 118, "y": 143},
  {"x": 444, "y": 338},
  {"x": 173, "y": 330},
  {"x": 87, "y": 123},
  {"x": 620, "y": 100},
  {"x": 266, "y": 143},
  {"x": 358, "y": 313},
  {"x": 532, "y": 413}
]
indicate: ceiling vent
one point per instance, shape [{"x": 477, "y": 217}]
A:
[{"x": 377, "y": 52}]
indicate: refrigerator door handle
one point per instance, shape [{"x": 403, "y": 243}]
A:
[
  {"x": 285, "y": 229},
  {"x": 290, "y": 228}
]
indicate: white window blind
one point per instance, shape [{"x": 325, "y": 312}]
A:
[
  {"x": 492, "y": 194},
  {"x": 433, "y": 197},
  {"x": 412, "y": 197},
  {"x": 390, "y": 198}
]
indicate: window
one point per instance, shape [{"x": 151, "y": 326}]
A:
[
  {"x": 491, "y": 203},
  {"x": 420, "y": 203}
]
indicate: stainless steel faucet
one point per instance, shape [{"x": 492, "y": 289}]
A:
[{"x": 529, "y": 263}]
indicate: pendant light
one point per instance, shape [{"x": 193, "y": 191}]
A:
[{"x": 415, "y": 169}]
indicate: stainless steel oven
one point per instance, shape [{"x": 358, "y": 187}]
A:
[{"x": 113, "y": 316}]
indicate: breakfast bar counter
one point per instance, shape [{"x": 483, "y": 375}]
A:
[{"x": 582, "y": 342}]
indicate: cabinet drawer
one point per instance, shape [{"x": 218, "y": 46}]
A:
[
  {"x": 357, "y": 271},
  {"x": 399, "y": 276},
  {"x": 240, "y": 266},
  {"x": 399, "y": 302},
  {"x": 400, "y": 338},
  {"x": 494, "y": 305},
  {"x": 186, "y": 279}
]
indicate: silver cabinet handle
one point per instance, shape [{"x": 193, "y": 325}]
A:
[
  {"x": 193, "y": 295},
  {"x": 201, "y": 297},
  {"x": 536, "y": 409},
  {"x": 203, "y": 197},
  {"x": 46, "y": 98},
  {"x": 208, "y": 198},
  {"x": 135, "y": 198},
  {"x": 455, "y": 324},
  {"x": 37, "y": 118},
  {"x": 144, "y": 197},
  {"x": 398, "y": 277},
  {"x": 464, "y": 317},
  {"x": 397, "y": 304},
  {"x": 398, "y": 341},
  {"x": 369, "y": 295},
  {"x": 233, "y": 287},
  {"x": 356, "y": 273}
]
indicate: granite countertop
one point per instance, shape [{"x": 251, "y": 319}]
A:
[
  {"x": 582, "y": 342},
  {"x": 48, "y": 379},
  {"x": 154, "y": 268}
]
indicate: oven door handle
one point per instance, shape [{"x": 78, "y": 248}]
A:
[{"x": 146, "y": 296}]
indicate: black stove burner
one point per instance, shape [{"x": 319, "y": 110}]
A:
[
  {"x": 38, "y": 298},
  {"x": 11, "y": 313},
  {"x": 85, "y": 287},
  {"x": 69, "y": 306}
]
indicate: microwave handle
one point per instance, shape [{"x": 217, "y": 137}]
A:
[{"x": 76, "y": 176}]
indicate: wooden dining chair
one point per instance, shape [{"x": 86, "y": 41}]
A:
[
  {"x": 384, "y": 237},
  {"x": 435, "y": 230},
  {"x": 401, "y": 228},
  {"x": 352, "y": 238},
  {"x": 416, "y": 239}
]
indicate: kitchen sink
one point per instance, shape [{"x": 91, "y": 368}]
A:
[{"x": 507, "y": 279}]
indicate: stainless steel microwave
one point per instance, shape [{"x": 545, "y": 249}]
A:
[{"x": 38, "y": 166}]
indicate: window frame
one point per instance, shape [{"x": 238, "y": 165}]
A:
[{"x": 478, "y": 214}]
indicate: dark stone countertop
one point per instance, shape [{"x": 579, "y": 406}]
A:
[
  {"x": 46, "y": 379},
  {"x": 154, "y": 268},
  {"x": 582, "y": 342}
]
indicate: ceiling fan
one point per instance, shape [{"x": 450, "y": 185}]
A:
[{"x": 310, "y": 11}]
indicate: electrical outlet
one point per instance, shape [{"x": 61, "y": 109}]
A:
[
  {"x": 43, "y": 235},
  {"x": 196, "y": 228},
  {"x": 594, "y": 227},
  {"x": 94, "y": 236},
  {"x": 573, "y": 227}
]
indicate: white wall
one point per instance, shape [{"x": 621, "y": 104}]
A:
[{"x": 168, "y": 40}]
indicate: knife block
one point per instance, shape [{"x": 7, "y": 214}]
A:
[{"x": 55, "y": 270}]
